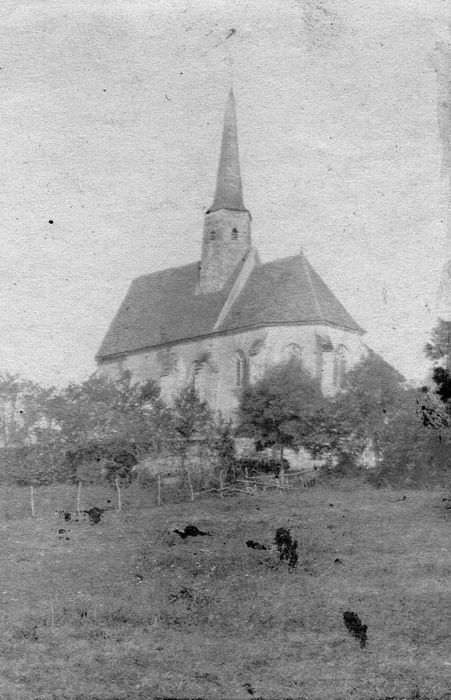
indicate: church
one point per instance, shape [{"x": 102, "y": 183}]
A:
[{"x": 217, "y": 324}]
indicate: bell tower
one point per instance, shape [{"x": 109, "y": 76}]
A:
[{"x": 227, "y": 226}]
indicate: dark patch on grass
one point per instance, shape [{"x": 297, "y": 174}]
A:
[
  {"x": 255, "y": 545},
  {"x": 206, "y": 676},
  {"x": 27, "y": 633},
  {"x": 183, "y": 594},
  {"x": 191, "y": 531},
  {"x": 354, "y": 626},
  {"x": 94, "y": 514},
  {"x": 286, "y": 547},
  {"x": 64, "y": 515}
]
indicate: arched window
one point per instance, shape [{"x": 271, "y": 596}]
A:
[
  {"x": 256, "y": 347},
  {"x": 234, "y": 234},
  {"x": 240, "y": 369},
  {"x": 292, "y": 352},
  {"x": 341, "y": 361}
]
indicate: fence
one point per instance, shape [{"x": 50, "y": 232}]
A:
[
  {"x": 38, "y": 501},
  {"x": 261, "y": 482}
]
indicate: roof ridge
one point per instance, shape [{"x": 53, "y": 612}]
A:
[
  {"x": 166, "y": 269},
  {"x": 249, "y": 263},
  {"x": 274, "y": 260},
  {"x": 312, "y": 286},
  {"x": 329, "y": 290}
]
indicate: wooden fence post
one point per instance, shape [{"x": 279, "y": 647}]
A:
[
  {"x": 78, "y": 498},
  {"x": 221, "y": 484},
  {"x": 190, "y": 485},
  {"x": 32, "y": 501},
  {"x": 282, "y": 477},
  {"x": 119, "y": 500},
  {"x": 159, "y": 489}
]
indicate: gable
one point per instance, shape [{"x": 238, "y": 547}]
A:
[{"x": 287, "y": 291}]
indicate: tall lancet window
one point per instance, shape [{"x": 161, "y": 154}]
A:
[
  {"x": 240, "y": 369},
  {"x": 196, "y": 375},
  {"x": 340, "y": 366}
]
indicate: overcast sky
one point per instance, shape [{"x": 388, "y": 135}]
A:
[{"x": 110, "y": 121}]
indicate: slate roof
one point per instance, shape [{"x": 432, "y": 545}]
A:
[
  {"x": 229, "y": 191},
  {"x": 163, "y": 307},
  {"x": 287, "y": 291}
]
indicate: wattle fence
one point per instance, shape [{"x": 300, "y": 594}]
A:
[{"x": 285, "y": 481}]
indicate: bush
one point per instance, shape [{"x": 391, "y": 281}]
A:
[
  {"x": 416, "y": 445},
  {"x": 261, "y": 466},
  {"x": 99, "y": 461},
  {"x": 344, "y": 465},
  {"x": 90, "y": 472},
  {"x": 29, "y": 464}
]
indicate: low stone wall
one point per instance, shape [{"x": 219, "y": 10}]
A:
[
  {"x": 299, "y": 460},
  {"x": 199, "y": 459}
]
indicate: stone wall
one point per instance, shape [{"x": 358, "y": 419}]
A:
[
  {"x": 226, "y": 240},
  {"x": 211, "y": 363}
]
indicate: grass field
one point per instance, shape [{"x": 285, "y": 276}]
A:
[{"x": 126, "y": 609}]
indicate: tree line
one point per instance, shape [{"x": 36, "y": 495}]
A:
[
  {"x": 102, "y": 428},
  {"x": 97, "y": 429},
  {"x": 405, "y": 428}
]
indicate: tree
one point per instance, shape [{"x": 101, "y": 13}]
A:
[
  {"x": 26, "y": 431},
  {"x": 372, "y": 394},
  {"x": 225, "y": 448},
  {"x": 415, "y": 444},
  {"x": 439, "y": 351},
  {"x": 279, "y": 410},
  {"x": 190, "y": 419},
  {"x": 108, "y": 422},
  {"x": 21, "y": 409},
  {"x": 287, "y": 409},
  {"x": 95, "y": 427},
  {"x": 442, "y": 379},
  {"x": 407, "y": 428}
]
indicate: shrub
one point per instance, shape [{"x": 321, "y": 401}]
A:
[
  {"x": 415, "y": 445},
  {"x": 261, "y": 466}
]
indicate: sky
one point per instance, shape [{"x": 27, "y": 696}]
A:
[{"x": 110, "y": 125}]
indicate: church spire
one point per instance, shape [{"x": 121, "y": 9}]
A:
[
  {"x": 226, "y": 240},
  {"x": 229, "y": 192}
]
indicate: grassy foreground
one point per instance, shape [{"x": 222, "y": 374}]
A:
[{"x": 125, "y": 609}]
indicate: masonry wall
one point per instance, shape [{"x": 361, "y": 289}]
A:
[
  {"x": 211, "y": 363},
  {"x": 226, "y": 240}
]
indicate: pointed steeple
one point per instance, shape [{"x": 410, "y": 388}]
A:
[
  {"x": 226, "y": 239},
  {"x": 229, "y": 192}
]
